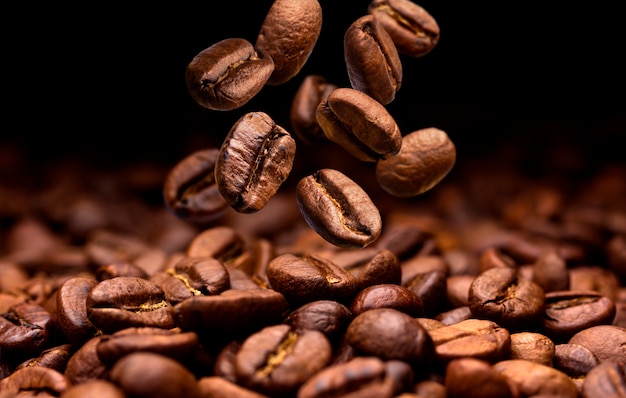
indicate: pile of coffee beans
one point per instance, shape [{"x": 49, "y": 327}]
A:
[{"x": 239, "y": 273}]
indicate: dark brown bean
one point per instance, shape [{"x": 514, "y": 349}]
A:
[
  {"x": 425, "y": 158},
  {"x": 190, "y": 190},
  {"x": 146, "y": 374},
  {"x": 372, "y": 59},
  {"x": 302, "y": 279},
  {"x": 474, "y": 377},
  {"x": 227, "y": 74},
  {"x": 313, "y": 90},
  {"x": 277, "y": 360},
  {"x": 413, "y": 30},
  {"x": 254, "y": 160},
  {"x": 546, "y": 380},
  {"x": 288, "y": 35},
  {"x": 499, "y": 294},
  {"x": 338, "y": 209},
  {"x": 359, "y": 124},
  {"x": 390, "y": 334}
]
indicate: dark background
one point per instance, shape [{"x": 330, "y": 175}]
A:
[{"x": 107, "y": 83}]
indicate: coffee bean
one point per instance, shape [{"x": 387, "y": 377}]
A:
[
  {"x": 71, "y": 302},
  {"x": 431, "y": 288},
  {"x": 499, "y": 294},
  {"x": 313, "y": 90},
  {"x": 214, "y": 386},
  {"x": 550, "y": 272},
  {"x": 30, "y": 381},
  {"x": 254, "y": 160},
  {"x": 223, "y": 243},
  {"x": 327, "y": 316},
  {"x": 372, "y": 60},
  {"x": 338, "y": 209},
  {"x": 146, "y": 374},
  {"x": 24, "y": 330},
  {"x": 573, "y": 359},
  {"x": 228, "y": 74},
  {"x": 360, "y": 376},
  {"x": 230, "y": 314},
  {"x": 126, "y": 301},
  {"x": 54, "y": 358},
  {"x": 568, "y": 312},
  {"x": 474, "y": 377},
  {"x": 302, "y": 279},
  {"x": 425, "y": 158},
  {"x": 190, "y": 190},
  {"x": 359, "y": 124},
  {"x": 475, "y": 338},
  {"x": 288, "y": 35},
  {"x": 387, "y": 295},
  {"x": 545, "y": 381},
  {"x": 94, "y": 388},
  {"x": 413, "y": 30},
  {"x": 608, "y": 379},
  {"x": 85, "y": 364},
  {"x": 534, "y": 347},
  {"x": 168, "y": 342},
  {"x": 277, "y": 360},
  {"x": 390, "y": 334},
  {"x": 595, "y": 339}
]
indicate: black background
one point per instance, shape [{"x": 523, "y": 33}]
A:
[{"x": 107, "y": 82}]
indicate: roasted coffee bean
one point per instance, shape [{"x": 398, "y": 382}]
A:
[
  {"x": 54, "y": 358},
  {"x": 193, "y": 276},
  {"x": 595, "y": 339},
  {"x": 327, "y": 316},
  {"x": 34, "y": 381},
  {"x": 494, "y": 257},
  {"x": 288, "y": 35},
  {"x": 475, "y": 338},
  {"x": 214, "y": 386},
  {"x": 455, "y": 315},
  {"x": 608, "y": 379},
  {"x": 254, "y": 160},
  {"x": 126, "y": 301},
  {"x": 168, "y": 342},
  {"x": 474, "y": 377},
  {"x": 402, "y": 238},
  {"x": 338, "y": 209},
  {"x": 420, "y": 264},
  {"x": 24, "y": 330},
  {"x": 384, "y": 267},
  {"x": 390, "y": 334},
  {"x": 431, "y": 288},
  {"x": 227, "y": 74},
  {"x": 146, "y": 374},
  {"x": 277, "y": 360},
  {"x": 550, "y": 272},
  {"x": 387, "y": 295},
  {"x": 568, "y": 312},
  {"x": 499, "y": 294},
  {"x": 457, "y": 290},
  {"x": 359, "y": 124},
  {"x": 531, "y": 346},
  {"x": 546, "y": 380},
  {"x": 372, "y": 59},
  {"x": 224, "y": 365},
  {"x": 360, "y": 376},
  {"x": 71, "y": 304},
  {"x": 190, "y": 190},
  {"x": 94, "y": 388},
  {"x": 223, "y": 243},
  {"x": 313, "y": 90},
  {"x": 302, "y": 279},
  {"x": 413, "y": 30},
  {"x": 594, "y": 279},
  {"x": 230, "y": 314},
  {"x": 120, "y": 268},
  {"x": 425, "y": 158},
  {"x": 85, "y": 364},
  {"x": 574, "y": 360}
]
